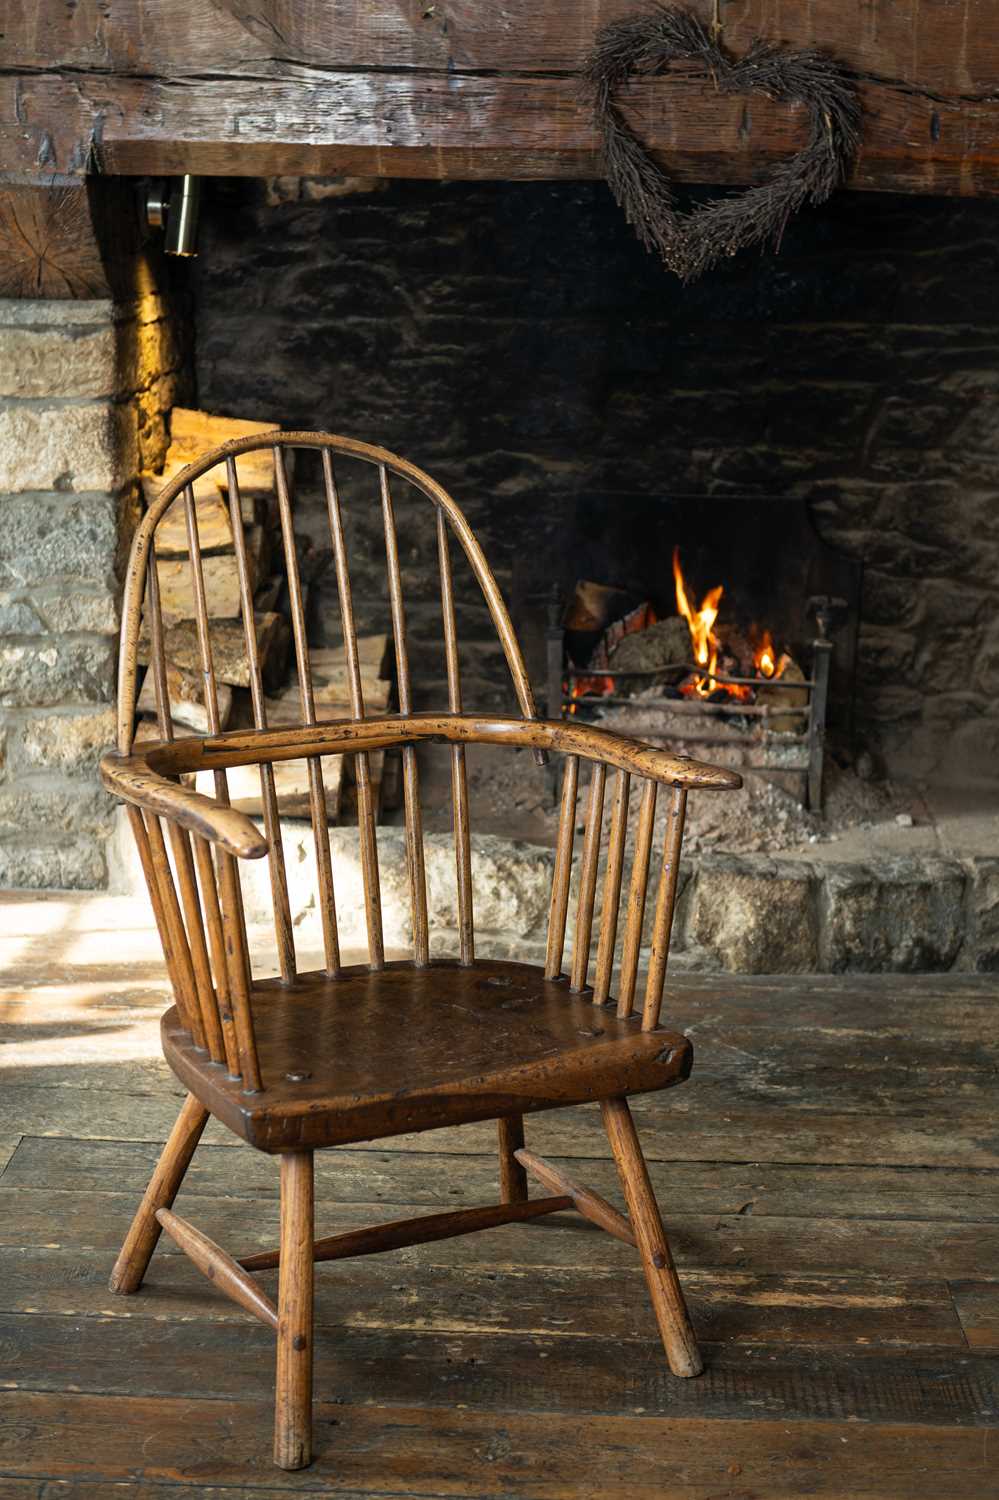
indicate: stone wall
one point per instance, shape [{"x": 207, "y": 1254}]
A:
[
  {"x": 84, "y": 388},
  {"x": 516, "y": 340}
]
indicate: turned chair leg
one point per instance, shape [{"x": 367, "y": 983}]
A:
[
  {"x": 513, "y": 1178},
  {"x": 293, "y": 1404},
  {"x": 664, "y": 1285},
  {"x": 164, "y": 1185}
]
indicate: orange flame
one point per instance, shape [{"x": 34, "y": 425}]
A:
[
  {"x": 765, "y": 657},
  {"x": 699, "y": 623}
]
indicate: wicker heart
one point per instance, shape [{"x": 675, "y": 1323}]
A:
[{"x": 645, "y": 44}]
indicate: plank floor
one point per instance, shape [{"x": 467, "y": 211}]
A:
[{"x": 830, "y": 1183}]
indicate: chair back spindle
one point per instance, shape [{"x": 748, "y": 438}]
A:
[
  {"x": 612, "y": 890},
  {"x": 459, "y": 776},
  {"x": 317, "y": 786},
  {"x": 283, "y": 931},
  {"x": 562, "y": 875}
]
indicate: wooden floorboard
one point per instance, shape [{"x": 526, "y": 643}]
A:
[
  {"x": 431, "y": 1451},
  {"x": 830, "y": 1178},
  {"x": 388, "y": 1175},
  {"x": 855, "y": 1246}
]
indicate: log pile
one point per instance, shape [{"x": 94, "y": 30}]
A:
[{"x": 193, "y": 433}]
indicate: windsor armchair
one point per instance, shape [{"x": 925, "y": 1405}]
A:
[{"x": 350, "y": 1053}]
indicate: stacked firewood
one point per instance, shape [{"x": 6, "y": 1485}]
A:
[{"x": 192, "y": 434}]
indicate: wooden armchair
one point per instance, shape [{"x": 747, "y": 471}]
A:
[{"x": 355, "y": 1053}]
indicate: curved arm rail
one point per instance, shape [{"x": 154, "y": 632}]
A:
[
  {"x": 138, "y": 778},
  {"x": 132, "y": 778}
]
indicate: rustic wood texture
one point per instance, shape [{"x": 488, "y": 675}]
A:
[
  {"x": 462, "y": 91},
  {"x": 842, "y": 1281},
  {"x": 513, "y": 1177},
  {"x": 358, "y": 1053},
  {"x": 428, "y": 1229},
  {"x": 219, "y": 1267},
  {"x": 293, "y": 1405},
  {"x": 660, "y": 1273},
  {"x": 478, "y": 1043},
  {"x": 583, "y": 1199},
  {"x": 48, "y": 244},
  {"x": 164, "y": 1184}
]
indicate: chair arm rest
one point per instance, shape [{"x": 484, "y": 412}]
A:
[
  {"x": 350, "y": 736},
  {"x": 637, "y": 756},
  {"x": 131, "y": 778}
]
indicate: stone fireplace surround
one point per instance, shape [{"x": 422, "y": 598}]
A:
[{"x": 515, "y": 341}]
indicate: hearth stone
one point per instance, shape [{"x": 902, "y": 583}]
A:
[
  {"x": 755, "y": 915},
  {"x": 746, "y": 913},
  {"x": 901, "y": 915}
]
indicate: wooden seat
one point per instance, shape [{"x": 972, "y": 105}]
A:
[
  {"x": 307, "y": 1060},
  {"x": 376, "y": 1054}
]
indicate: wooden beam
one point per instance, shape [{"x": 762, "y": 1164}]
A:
[
  {"x": 47, "y": 244},
  {"x": 463, "y": 124},
  {"x": 947, "y": 47},
  {"x": 80, "y": 240}
]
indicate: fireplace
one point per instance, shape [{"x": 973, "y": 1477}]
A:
[
  {"x": 813, "y": 426},
  {"x": 757, "y": 671},
  {"x": 590, "y": 414}
]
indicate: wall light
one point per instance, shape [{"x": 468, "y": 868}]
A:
[{"x": 172, "y": 206}]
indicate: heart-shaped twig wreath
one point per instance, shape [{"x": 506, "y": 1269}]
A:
[{"x": 645, "y": 44}]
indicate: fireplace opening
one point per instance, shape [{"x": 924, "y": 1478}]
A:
[
  {"x": 758, "y": 669},
  {"x": 774, "y": 423}
]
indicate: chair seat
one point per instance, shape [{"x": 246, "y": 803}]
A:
[{"x": 373, "y": 1054}]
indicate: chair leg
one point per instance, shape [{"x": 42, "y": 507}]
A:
[
  {"x": 140, "y": 1242},
  {"x": 664, "y": 1285},
  {"x": 293, "y": 1406},
  {"x": 513, "y": 1178}
]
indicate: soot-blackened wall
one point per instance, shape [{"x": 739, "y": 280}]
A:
[{"x": 516, "y": 341}]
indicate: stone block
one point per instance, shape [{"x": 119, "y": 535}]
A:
[
  {"x": 93, "y": 610},
  {"x": 511, "y": 881},
  {"x": 900, "y": 915},
  {"x": 981, "y": 947},
  {"x": 42, "y": 806},
  {"x": 19, "y": 618},
  {"x": 50, "y": 361},
  {"x": 68, "y": 447},
  {"x": 53, "y": 537},
  {"x": 53, "y": 671},
  {"x": 25, "y": 312},
  {"x": 67, "y": 741},
  {"x": 60, "y": 864},
  {"x": 755, "y": 915}
]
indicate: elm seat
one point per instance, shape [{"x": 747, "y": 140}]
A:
[{"x": 376, "y": 1053}]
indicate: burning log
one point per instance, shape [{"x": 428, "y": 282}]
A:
[
  {"x": 787, "y": 672},
  {"x": 663, "y": 648}
]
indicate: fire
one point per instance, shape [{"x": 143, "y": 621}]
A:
[
  {"x": 699, "y": 623},
  {"x": 765, "y": 657}
]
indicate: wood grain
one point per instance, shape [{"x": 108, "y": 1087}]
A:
[
  {"x": 943, "y": 48},
  {"x": 164, "y": 1184},
  {"x": 643, "y": 1211},
  {"x": 478, "y": 1043},
  {"x": 293, "y": 1401},
  {"x": 178, "y": 1440},
  {"x": 218, "y": 1266},
  {"x": 477, "y": 123},
  {"x": 378, "y": 1239}
]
